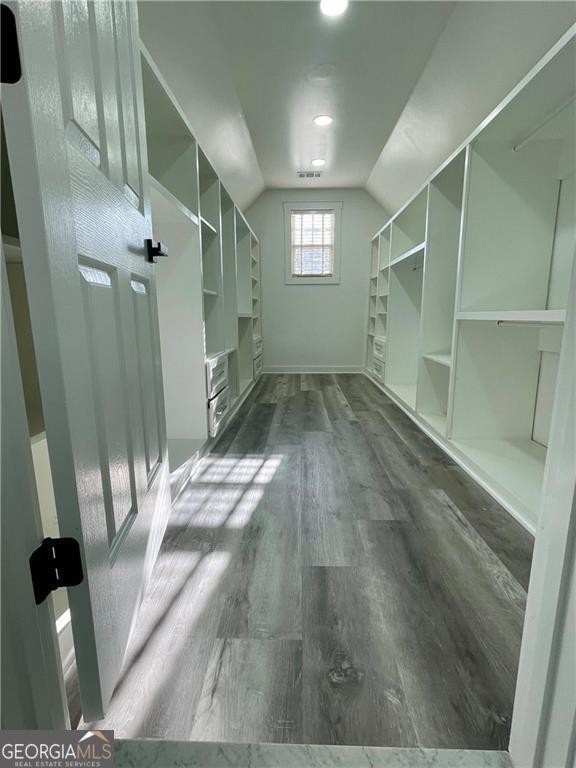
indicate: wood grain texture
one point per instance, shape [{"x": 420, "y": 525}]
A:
[
  {"x": 252, "y": 692},
  {"x": 329, "y": 577}
]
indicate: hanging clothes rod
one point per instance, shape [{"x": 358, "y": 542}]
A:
[
  {"x": 541, "y": 323},
  {"x": 542, "y": 124}
]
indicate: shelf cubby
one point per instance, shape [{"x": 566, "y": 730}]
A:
[
  {"x": 433, "y": 387},
  {"x": 403, "y": 326},
  {"x": 171, "y": 146},
  {"x": 209, "y": 192},
  {"x": 519, "y": 231},
  {"x": 243, "y": 267},
  {"x": 229, "y": 278},
  {"x": 443, "y": 232},
  {"x": 384, "y": 249},
  {"x": 245, "y": 353},
  {"x": 408, "y": 230},
  {"x": 178, "y": 294},
  {"x": 212, "y": 292},
  {"x": 502, "y": 402}
]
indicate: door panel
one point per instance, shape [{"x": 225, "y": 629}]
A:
[
  {"x": 126, "y": 101},
  {"x": 100, "y": 300},
  {"x": 77, "y": 76},
  {"x": 74, "y": 128},
  {"x": 144, "y": 312}
]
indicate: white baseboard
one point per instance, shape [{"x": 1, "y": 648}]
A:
[{"x": 313, "y": 369}]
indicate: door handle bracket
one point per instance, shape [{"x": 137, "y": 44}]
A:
[
  {"x": 152, "y": 251},
  {"x": 55, "y": 563}
]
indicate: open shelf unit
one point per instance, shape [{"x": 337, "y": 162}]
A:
[
  {"x": 477, "y": 289},
  {"x": 208, "y": 288},
  {"x": 172, "y": 150},
  {"x": 256, "y": 296},
  {"x": 208, "y": 192},
  {"x": 179, "y": 297}
]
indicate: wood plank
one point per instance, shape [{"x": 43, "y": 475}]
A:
[
  {"x": 370, "y": 488},
  {"x": 336, "y": 403},
  {"x": 325, "y": 579},
  {"x": 509, "y": 540},
  {"x": 252, "y": 692},
  {"x": 264, "y": 594},
  {"x": 352, "y": 689},
  {"x": 440, "y": 608},
  {"x": 253, "y": 434}
]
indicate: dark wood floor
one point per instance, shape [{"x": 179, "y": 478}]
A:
[{"x": 329, "y": 577}]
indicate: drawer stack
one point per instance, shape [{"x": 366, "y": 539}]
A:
[{"x": 218, "y": 392}]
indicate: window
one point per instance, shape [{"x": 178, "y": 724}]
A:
[
  {"x": 312, "y": 242},
  {"x": 312, "y": 239}
]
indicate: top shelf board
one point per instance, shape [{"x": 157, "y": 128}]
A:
[
  {"x": 520, "y": 316},
  {"x": 408, "y": 254}
]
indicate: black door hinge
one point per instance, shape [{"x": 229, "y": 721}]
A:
[
  {"x": 56, "y": 563},
  {"x": 11, "y": 66}
]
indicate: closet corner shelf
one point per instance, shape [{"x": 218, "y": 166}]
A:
[
  {"x": 407, "y": 254},
  {"x": 371, "y": 333},
  {"x": 441, "y": 359},
  {"x": 519, "y": 316},
  {"x": 171, "y": 198},
  {"x": 517, "y": 466},
  {"x": 437, "y": 421},
  {"x": 206, "y": 224},
  {"x": 244, "y": 315},
  {"x": 405, "y": 392},
  {"x": 244, "y": 384},
  {"x": 209, "y": 292}
]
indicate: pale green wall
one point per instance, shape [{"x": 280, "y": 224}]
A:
[{"x": 308, "y": 327}]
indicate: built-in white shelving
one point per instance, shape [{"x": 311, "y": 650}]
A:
[
  {"x": 209, "y": 292},
  {"x": 468, "y": 291},
  {"x": 444, "y": 359},
  {"x": 527, "y": 317},
  {"x": 417, "y": 249}
]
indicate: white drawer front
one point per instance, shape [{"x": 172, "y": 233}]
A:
[
  {"x": 257, "y": 346},
  {"x": 258, "y": 367},
  {"x": 379, "y": 349},
  {"x": 216, "y": 374},
  {"x": 378, "y": 370},
  {"x": 218, "y": 408}
]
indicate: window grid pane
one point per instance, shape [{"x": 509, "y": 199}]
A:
[{"x": 312, "y": 235}]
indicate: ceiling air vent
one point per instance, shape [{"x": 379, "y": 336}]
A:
[{"x": 309, "y": 174}]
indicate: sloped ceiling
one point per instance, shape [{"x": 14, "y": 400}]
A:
[{"x": 406, "y": 82}]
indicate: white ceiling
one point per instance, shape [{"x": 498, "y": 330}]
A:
[
  {"x": 404, "y": 81},
  {"x": 289, "y": 63},
  {"x": 252, "y": 75}
]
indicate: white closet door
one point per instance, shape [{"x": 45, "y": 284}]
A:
[{"x": 76, "y": 144}]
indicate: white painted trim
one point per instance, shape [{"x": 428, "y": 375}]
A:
[
  {"x": 556, "y": 48},
  {"x": 66, "y": 642},
  {"x": 461, "y": 459},
  {"x": 542, "y": 733},
  {"x": 313, "y": 368},
  {"x": 329, "y": 205}
]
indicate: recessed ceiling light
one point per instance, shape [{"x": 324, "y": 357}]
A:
[
  {"x": 318, "y": 162},
  {"x": 323, "y": 120},
  {"x": 333, "y": 7}
]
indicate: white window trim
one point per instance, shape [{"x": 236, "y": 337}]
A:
[{"x": 335, "y": 206}]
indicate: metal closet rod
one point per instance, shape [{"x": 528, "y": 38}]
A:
[
  {"x": 542, "y": 124},
  {"x": 542, "y": 323}
]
